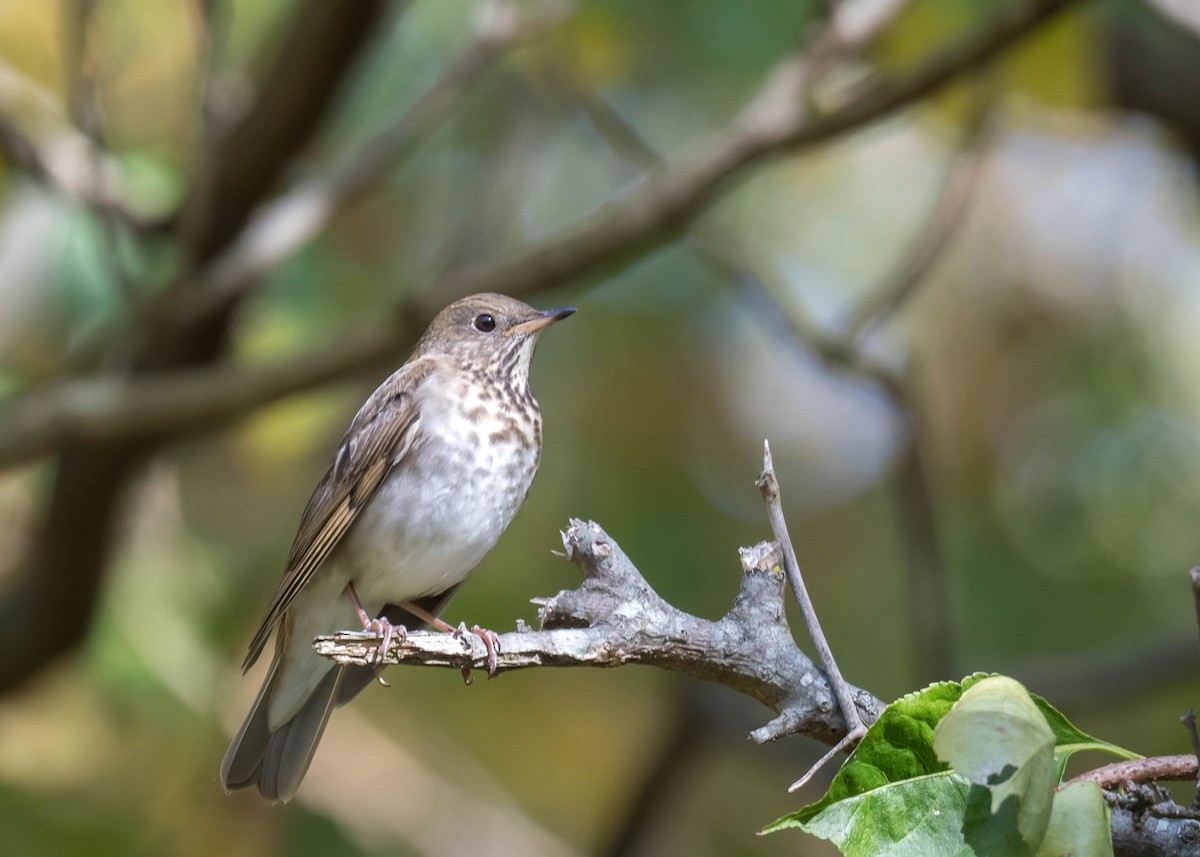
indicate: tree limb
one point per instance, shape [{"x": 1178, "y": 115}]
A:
[
  {"x": 281, "y": 228},
  {"x": 670, "y": 198},
  {"x": 616, "y": 618},
  {"x": 774, "y": 122},
  {"x": 61, "y": 576},
  {"x": 239, "y": 170}
]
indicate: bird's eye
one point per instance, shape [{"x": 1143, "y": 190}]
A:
[{"x": 484, "y": 323}]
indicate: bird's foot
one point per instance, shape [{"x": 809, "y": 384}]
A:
[
  {"x": 379, "y": 625},
  {"x": 491, "y": 641},
  {"x": 386, "y": 631}
]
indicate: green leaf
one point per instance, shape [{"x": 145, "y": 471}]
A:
[
  {"x": 1068, "y": 740},
  {"x": 911, "y": 818},
  {"x": 997, "y": 738},
  {"x": 893, "y": 796},
  {"x": 1079, "y": 824}
]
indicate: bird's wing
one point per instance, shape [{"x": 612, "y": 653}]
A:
[{"x": 379, "y": 437}]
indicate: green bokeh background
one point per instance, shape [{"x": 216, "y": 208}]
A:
[{"x": 1051, "y": 354}]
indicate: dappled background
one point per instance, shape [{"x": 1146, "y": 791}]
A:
[{"x": 965, "y": 317}]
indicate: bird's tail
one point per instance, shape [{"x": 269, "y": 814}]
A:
[{"x": 276, "y": 760}]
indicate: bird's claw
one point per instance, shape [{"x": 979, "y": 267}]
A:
[
  {"x": 386, "y": 631},
  {"x": 491, "y": 641}
]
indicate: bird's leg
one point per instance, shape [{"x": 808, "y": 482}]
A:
[
  {"x": 379, "y": 625},
  {"x": 491, "y": 640},
  {"x": 425, "y": 616}
]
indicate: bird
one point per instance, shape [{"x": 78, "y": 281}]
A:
[{"x": 430, "y": 473}]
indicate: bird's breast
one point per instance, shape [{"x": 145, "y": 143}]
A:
[{"x": 446, "y": 503}]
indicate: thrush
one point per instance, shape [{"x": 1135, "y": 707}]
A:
[{"x": 430, "y": 473}]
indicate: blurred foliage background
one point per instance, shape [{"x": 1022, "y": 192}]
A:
[{"x": 1048, "y": 413}]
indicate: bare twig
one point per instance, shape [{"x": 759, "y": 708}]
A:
[
  {"x": 616, "y": 618},
  {"x": 1152, "y": 769},
  {"x": 1189, "y": 723},
  {"x": 768, "y": 484}
]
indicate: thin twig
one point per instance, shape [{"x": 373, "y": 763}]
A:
[
  {"x": 1189, "y": 723},
  {"x": 1148, "y": 770},
  {"x": 844, "y": 746},
  {"x": 768, "y": 484}
]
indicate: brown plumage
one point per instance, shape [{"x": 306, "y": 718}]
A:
[{"x": 431, "y": 471}]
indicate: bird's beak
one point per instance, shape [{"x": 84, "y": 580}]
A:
[{"x": 540, "y": 321}]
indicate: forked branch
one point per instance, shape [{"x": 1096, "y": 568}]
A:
[{"x": 615, "y": 617}]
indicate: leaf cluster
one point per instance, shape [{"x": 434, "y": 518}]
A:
[{"x": 964, "y": 768}]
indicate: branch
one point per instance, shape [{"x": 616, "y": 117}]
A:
[
  {"x": 59, "y": 155},
  {"x": 112, "y": 408},
  {"x": 61, "y": 576},
  {"x": 1174, "y": 768},
  {"x": 1141, "y": 834},
  {"x": 281, "y": 228},
  {"x": 768, "y": 485},
  {"x": 616, "y": 618},
  {"x": 324, "y": 41},
  {"x": 773, "y": 123},
  {"x": 670, "y": 198}
]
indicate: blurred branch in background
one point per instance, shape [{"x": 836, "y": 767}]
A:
[
  {"x": 237, "y": 170},
  {"x": 774, "y": 121},
  {"x": 942, "y": 223},
  {"x": 278, "y": 230},
  {"x": 1183, "y": 12},
  {"x": 60, "y": 156},
  {"x": 846, "y": 352},
  {"x": 58, "y": 583},
  {"x": 113, "y": 408}
]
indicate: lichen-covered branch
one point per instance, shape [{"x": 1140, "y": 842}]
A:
[{"x": 615, "y": 617}]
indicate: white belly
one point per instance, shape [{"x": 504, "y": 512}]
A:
[
  {"x": 436, "y": 515},
  {"x": 443, "y": 507}
]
